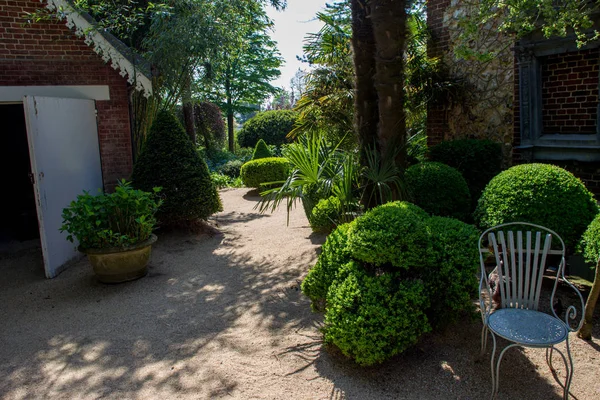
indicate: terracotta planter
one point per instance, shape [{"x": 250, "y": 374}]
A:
[{"x": 115, "y": 265}]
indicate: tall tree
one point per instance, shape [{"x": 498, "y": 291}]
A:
[{"x": 247, "y": 62}]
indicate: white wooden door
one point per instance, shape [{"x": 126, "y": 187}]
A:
[{"x": 65, "y": 161}]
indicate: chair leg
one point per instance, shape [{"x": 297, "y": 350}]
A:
[
  {"x": 569, "y": 371},
  {"x": 494, "y": 390},
  {"x": 497, "y": 378},
  {"x": 484, "y": 339},
  {"x": 568, "y": 361}
]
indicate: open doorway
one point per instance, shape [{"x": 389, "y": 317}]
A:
[{"x": 18, "y": 217}]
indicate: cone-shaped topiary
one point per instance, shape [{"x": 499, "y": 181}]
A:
[
  {"x": 170, "y": 161},
  {"x": 261, "y": 150}
]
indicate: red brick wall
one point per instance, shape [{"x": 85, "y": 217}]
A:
[
  {"x": 570, "y": 92},
  {"x": 437, "y": 123},
  {"x": 51, "y": 54}
]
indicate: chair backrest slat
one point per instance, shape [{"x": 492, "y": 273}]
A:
[
  {"x": 526, "y": 302},
  {"x": 538, "y": 288},
  {"x": 519, "y": 276},
  {"x": 520, "y": 297}
]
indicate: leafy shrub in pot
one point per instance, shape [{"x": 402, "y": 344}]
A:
[
  {"x": 114, "y": 230},
  {"x": 541, "y": 194},
  {"x": 255, "y": 173},
  {"x": 439, "y": 189}
]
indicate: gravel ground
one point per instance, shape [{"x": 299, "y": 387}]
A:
[{"x": 222, "y": 317}]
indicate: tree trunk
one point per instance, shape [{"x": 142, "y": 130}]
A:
[
  {"x": 389, "y": 29},
  {"x": 229, "y": 111},
  {"x": 188, "y": 110},
  {"x": 366, "y": 112},
  {"x": 586, "y": 329}
]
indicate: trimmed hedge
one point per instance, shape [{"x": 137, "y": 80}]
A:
[
  {"x": 478, "y": 160},
  {"x": 379, "y": 300},
  {"x": 271, "y": 126},
  {"x": 232, "y": 168},
  {"x": 325, "y": 214},
  {"x": 261, "y": 150},
  {"x": 439, "y": 190},
  {"x": 170, "y": 161},
  {"x": 541, "y": 194},
  {"x": 255, "y": 173}
]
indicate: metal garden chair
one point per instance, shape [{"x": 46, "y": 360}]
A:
[{"x": 520, "y": 251}]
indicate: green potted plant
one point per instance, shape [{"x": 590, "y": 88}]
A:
[{"x": 114, "y": 230}]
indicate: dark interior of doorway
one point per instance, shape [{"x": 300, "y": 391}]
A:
[{"x": 18, "y": 217}]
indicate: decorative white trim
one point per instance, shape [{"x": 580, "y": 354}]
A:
[
  {"x": 106, "y": 50},
  {"x": 11, "y": 94}
]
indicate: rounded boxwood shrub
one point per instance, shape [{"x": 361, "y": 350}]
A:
[
  {"x": 261, "y": 150},
  {"x": 271, "y": 126},
  {"x": 478, "y": 160},
  {"x": 391, "y": 234},
  {"x": 232, "y": 168},
  {"x": 541, "y": 194},
  {"x": 170, "y": 161},
  {"x": 372, "y": 317},
  {"x": 451, "y": 276},
  {"x": 255, "y": 173},
  {"x": 439, "y": 189},
  {"x": 590, "y": 241},
  {"x": 333, "y": 256},
  {"x": 325, "y": 214}
]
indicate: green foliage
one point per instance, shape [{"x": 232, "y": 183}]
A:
[
  {"x": 541, "y": 194},
  {"x": 256, "y": 173},
  {"x": 371, "y": 318},
  {"x": 590, "y": 241},
  {"x": 333, "y": 256},
  {"x": 451, "y": 276},
  {"x": 261, "y": 150},
  {"x": 231, "y": 168},
  {"x": 438, "y": 189},
  {"x": 478, "y": 160},
  {"x": 326, "y": 214},
  {"x": 271, "y": 126},
  {"x": 119, "y": 219},
  {"x": 393, "y": 233},
  {"x": 373, "y": 309},
  {"x": 223, "y": 181},
  {"x": 169, "y": 160},
  {"x": 210, "y": 125}
]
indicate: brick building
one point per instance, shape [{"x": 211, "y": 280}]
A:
[
  {"x": 539, "y": 98},
  {"x": 64, "y": 107}
]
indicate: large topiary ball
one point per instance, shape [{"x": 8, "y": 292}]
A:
[
  {"x": 478, "y": 160},
  {"x": 271, "y": 126},
  {"x": 390, "y": 234},
  {"x": 372, "y": 317},
  {"x": 261, "y": 150},
  {"x": 333, "y": 256},
  {"x": 255, "y": 173},
  {"x": 439, "y": 189},
  {"x": 452, "y": 273},
  {"x": 541, "y": 194},
  {"x": 169, "y": 160}
]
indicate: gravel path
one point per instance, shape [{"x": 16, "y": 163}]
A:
[{"x": 223, "y": 317}]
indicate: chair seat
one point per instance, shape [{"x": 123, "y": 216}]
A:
[{"x": 527, "y": 327}]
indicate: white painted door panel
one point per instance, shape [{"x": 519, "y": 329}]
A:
[{"x": 65, "y": 161}]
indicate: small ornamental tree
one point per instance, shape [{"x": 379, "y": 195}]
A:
[
  {"x": 210, "y": 125},
  {"x": 261, "y": 150},
  {"x": 169, "y": 160}
]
